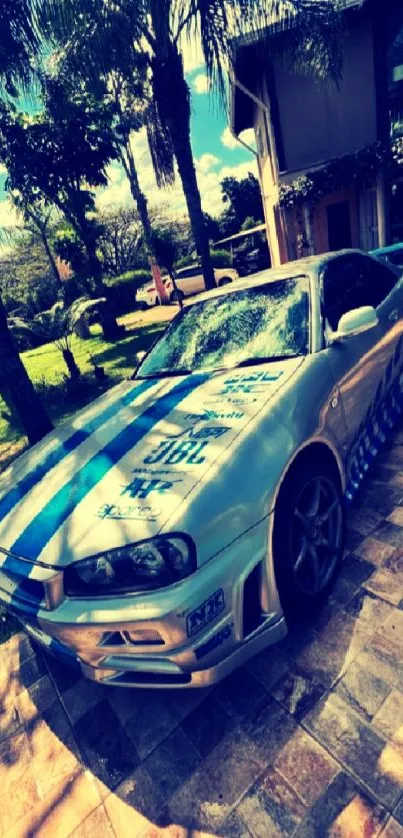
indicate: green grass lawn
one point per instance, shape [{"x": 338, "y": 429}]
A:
[{"x": 47, "y": 370}]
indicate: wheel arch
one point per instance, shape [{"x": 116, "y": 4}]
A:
[{"x": 321, "y": 450}]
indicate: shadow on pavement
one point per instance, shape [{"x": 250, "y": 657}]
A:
[{"x": 305, "y": 740}]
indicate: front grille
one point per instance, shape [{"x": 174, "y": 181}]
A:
[{"x": 134, "y": 638}]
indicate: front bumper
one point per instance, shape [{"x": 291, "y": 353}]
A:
[{"x": 190, "y": 635}]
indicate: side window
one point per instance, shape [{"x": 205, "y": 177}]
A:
[
  {"x": 187, "y": 273},
  {"x": 383, "y": 280},
  {"x": 345, "y": 286},
  {"x": 396, "y": 258},
  {"x": 355, "y": 281}
]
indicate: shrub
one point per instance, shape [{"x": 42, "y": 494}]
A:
[
  {"x": 64, "y": 391},
  {"x": 123, "y": 288},
  {"x": 220, "y": 259}
]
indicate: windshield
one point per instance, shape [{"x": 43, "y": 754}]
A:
[{"x": 263, "y": 322}]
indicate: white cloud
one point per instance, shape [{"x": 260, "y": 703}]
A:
[
  {"x": 8, "y": 216},
  {"x": 241, "y": 170},
  {"x": 3, "y": 169},
  {"x": 206, "y": 162},
  {"x": 210, "y": 171},
  {"x": 192, "y": 54},
  {"x": 201, "y": 83},
  {"x": 228, "y": 139}
]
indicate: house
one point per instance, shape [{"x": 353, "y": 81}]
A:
[{"x": 322, "y": 146}]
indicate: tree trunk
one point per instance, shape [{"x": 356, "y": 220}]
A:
[
  {"x": 51, "y": 258},
  {"x": 172, "y": 94},
  {"x": 31, "y": 412},
  {"x": 82, "y": 329},
  {"x": 184, "y": 157},
  {"x": 71, "y": 365},
  {"x": 140, "y": 200},
  {"x": 110, "y": 327}
]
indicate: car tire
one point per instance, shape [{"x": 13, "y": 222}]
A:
[
  {"x": 176, "y": 296},
  {"x": 309, "y": 512},
  {"x": 224, "y": 281}
]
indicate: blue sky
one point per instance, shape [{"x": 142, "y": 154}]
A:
[{"x": 216, "y": 152}]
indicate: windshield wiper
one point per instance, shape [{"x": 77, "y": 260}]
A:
[
  {"x": 253, "y": 362},
  {"x": 166, "y": 373}
]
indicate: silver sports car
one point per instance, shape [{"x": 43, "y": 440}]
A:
[{"x": 171, "y": 530}]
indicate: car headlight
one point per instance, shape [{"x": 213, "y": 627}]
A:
[{"x": 147, "y": 566}]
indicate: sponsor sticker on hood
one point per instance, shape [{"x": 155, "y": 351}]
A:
[{"x": 126, "y": 480}]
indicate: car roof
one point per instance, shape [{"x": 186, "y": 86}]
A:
[
  {"x": 299, "y": 267},
  {"x": 383, "y": 251}
]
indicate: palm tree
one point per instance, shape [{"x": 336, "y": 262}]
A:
[
  {"x": 127, "y": 95},
  {"x": 18, "y": 42},
  {"x": 159, "y": 28},
  {"x": 57, "y": 326}
]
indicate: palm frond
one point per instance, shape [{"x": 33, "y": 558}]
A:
[
  {"x": 160, "y": 145},
  {"x": 213, "y": 26},
  {"x": 19, "y": 42},
  {"x": 310, "y": 29}
]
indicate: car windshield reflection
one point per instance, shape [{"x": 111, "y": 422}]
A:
[{"x": 266, "y": 322}]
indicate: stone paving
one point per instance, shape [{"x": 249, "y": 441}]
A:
[{"x": 306, "y": 740}]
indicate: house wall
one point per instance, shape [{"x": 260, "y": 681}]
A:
[
  {"x": 317, "y": 120},
  {"x": 267, "y": 183},
  {"x": 319, "y": 123},
  {"x": 268, "y": 176}
]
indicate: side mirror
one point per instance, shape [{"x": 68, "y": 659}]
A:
[{"x": 354, "y": 322}]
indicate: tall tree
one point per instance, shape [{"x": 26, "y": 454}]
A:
[
  {"x": 242, "y": 199},
  {"x": 58, "y": 156},
  {"x": 37, "y": 218},
  {"x": 121, "y": 84},
  {"x": 121, "y": 241},
  {"x": 159, "y": 29},
  {"x": 18, "y": 43}
]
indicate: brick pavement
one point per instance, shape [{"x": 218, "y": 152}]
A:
[{"x": 306, "y": 740}]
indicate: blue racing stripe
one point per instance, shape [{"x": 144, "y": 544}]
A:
[
  {"x": 18, "y": 492},
  {"x": 36, "y": 535}
]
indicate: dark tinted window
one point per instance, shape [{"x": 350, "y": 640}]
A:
[
  {"x": 354, "y": 281},
  {"x": 185, "y": 273},
  {"x": 396, "y": 258},
  {"x": 383, "y": 281},
  {"x": 345, "y": 287}
]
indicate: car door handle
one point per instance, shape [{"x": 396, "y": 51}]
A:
[{"x": 394, "y": 316}]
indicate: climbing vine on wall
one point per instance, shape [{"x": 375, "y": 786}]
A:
[{"x": 358, "y": 169}]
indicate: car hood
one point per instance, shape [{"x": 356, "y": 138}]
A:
[{"x": 120, "y": 469}]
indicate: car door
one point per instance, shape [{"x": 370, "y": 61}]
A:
[
  {"x": 358, "y": 364},
  {"x": 188, "y": 280},
  {"x": 198, "y": 281},
  {"x": 395, "y": 258},
  {"x": 387, "y": 292}
]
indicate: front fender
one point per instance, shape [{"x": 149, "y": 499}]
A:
[{"x": 239, "y": 489}]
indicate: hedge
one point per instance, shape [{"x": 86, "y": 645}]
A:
[
  {"x": 219, "y": 258},
  {"x": 123, "y": 288}
]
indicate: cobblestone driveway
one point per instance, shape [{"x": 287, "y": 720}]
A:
[{"x": 307, "y": 740}]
